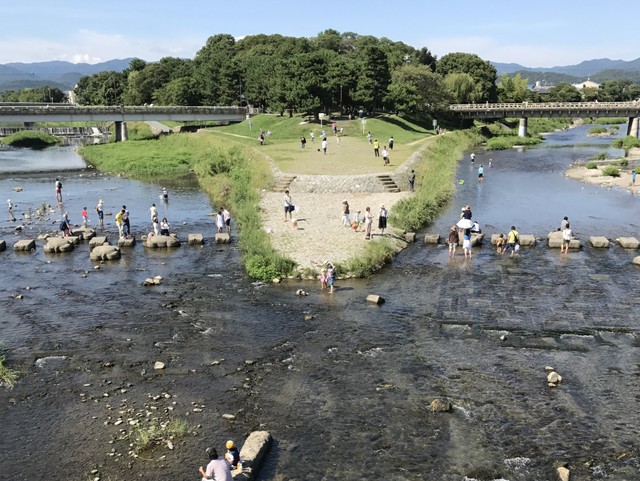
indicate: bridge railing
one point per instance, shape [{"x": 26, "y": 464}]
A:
[
  {"x": 545, "y": 106},
  {"x": 77, "y": 109}
]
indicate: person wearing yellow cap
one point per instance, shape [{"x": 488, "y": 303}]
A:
[{"x": 233, "y": 455}]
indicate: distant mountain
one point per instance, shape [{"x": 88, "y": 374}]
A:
[
  {"x": 65, "y": 75},
  {"x": 596, "y": 68}
]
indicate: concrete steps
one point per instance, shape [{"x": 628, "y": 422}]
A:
[
  {"x": 388, "y": 183},
  {"x": 283, "y": 183}
]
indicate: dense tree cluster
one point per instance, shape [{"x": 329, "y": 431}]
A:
[
  {"x": 332, "y": 71},
  {"x": 38, "y": 95}
]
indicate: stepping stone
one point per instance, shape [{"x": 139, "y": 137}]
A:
[
  {"x": 157, "y": 241},
  {"x": 222, "y": 238},
  {"x": 105, "y": 253},
  {"x": 195, "y": 239},
  {"x": 85, "y": 233},
  {"x": 58, "y": 244},
  {"x": 25, "y": 245},
  {"x": 410, "y": 236},
  {"x": 432, "y": 238},
  {"x": 126, "y": 242},
  {"x": 628, "y": 242},
  {"x": 98, "y": 241},
  {"x": 599, "y": 241}
]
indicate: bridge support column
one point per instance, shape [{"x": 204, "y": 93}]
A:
[
  {"x": 632, "y": 127},
  {"x": 121, "y": 131},
  {"x": 522, "y": 128}
]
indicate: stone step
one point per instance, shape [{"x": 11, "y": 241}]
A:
[
  {"x": 284, "y": 183},
  {"x": 388, "y": 183}
]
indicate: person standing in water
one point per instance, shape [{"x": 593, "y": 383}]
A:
[
  {"x": 58, "y": 191},
  {"x": 100, "y": 212}
]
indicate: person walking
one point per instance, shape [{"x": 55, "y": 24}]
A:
[
  {"x": 85, "y": 217},
  {"x": 369, "y": 137},
  {"x": 218, "y": 468},
  {"x": 324, "y": 145},
  {"x": 633, "y": 178},
  {"x": 120, "y": 223},
  {"x": 481, "y": 173},
  {"x": 288, "y": 206},
  {"x": 472, "y": 157},
  {"x": 313, "y": 137},
  {"x": 65, "y": 225},
  {"x": 10, "y": 209},
  {"x": 331, "y": 276},
  {"x": 58, "y": 191},
  {"x": 452, "y": 240},
  {"x": 382, "y": 219},
  {"x": 368, "y": 220},
  {"x": 391, "y": 141},
  {"x": 100, "y": 212},
  {"x": 385, "y": 155},
  {"x": 512, "y": 240},
  {"x": 226, "y": 217},
  {"x": 412, "y": 180},
  {"x": 153, "y": 211},
  {"x": 376, "y": 148},
  {"x": 219, "y": 221},
  {"x": 125, "y": 221},
  {"x": 466, "y": 243},
  {"x": 345, "y": 213},
  {"x": 566, "y": 239},
  {"x": 303, "y": 141}
]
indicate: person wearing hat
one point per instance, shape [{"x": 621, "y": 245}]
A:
[
  {"x": 217, "y": 468},
  {"x": 382, "y": 219},
  {"x": 233, "y": 455},
  {"x": 453, "y": 240}
]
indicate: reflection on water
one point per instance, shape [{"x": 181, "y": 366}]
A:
[{"x": 346, "y": 394}]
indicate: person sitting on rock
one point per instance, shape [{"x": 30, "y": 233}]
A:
[{"x": 233, "y": 455}]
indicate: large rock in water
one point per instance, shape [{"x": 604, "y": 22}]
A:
[
  {"x": 252, "y": 454},
  {"x": 636, "y": 261},
  {"x": 98, "y": 241},
  {"x": 195, "y": 239},
  {"x": 58, "y": 244},
  {"x": 527, "y": 240},
  {"x": 628, "y": 242},
  {"x": 105, "y": 253},
  {"x": 156, "y": 241},
  {"x": 432, "y": 238},
  {"x": 84, "y": 233},
  {"x": 25, "y": 245},
  {"x": 3, "y": 245},
  {"x": 599, "y": 241},
  {"x": 555, "y": 241},
  {"x": 126, "y": 241},
  {"x": 222, "y": 238}
]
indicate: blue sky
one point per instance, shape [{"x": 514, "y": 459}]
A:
[{"x": 539, "y": 33}]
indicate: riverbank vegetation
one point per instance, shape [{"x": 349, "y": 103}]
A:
[
  {"x": 31, "y": 139},
  {"x": 627, "y": 143},
  {"x": 8, "y": 376}
]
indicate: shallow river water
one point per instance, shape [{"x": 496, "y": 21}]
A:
[{"x": 347, "y": 394}]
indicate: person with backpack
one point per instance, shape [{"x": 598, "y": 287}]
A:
[{"x": 513, "y": 239}]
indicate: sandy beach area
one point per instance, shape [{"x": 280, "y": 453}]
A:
[
  {"x": 594, "y": 176},
  {"x": 318, "y": 235}
]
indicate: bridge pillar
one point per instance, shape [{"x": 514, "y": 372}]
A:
[
  {"x": 632, "y": 127},
  {"x": 522, "y": 128},
  {"x": 121, "y": 131}
]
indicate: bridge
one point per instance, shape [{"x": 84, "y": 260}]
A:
[
  {"x": 524, "y": 110},
  {"x": 118, "y": 114}
]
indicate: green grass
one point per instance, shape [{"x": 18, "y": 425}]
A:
[
  {"x": 611, "y": 171},
  {"x": 154, "y": 432},
  {"x": 31, "y": 138},
  {"x": 591, "y": 165},
  {"x": 8, "y": 376},
  {"x": 606, "y": 120},
  {"x": 601, "y": 156},
  {"x": 597, "y": 130},
  {"x": 507, "y": 142}
]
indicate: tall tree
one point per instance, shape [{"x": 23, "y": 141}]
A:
[
  {"x": 483, "y": 73},
  {"x": 462, "y": 88},
  {"x": 512, "y": 89},
  {"x": 417, "y": 91},
  {"x": 564, "y": 92},
  {"x": 373, "y": 76},
  {"x": 216, "y": 72}
]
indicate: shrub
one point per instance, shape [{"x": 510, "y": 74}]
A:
[
  {"x": 7, "y": 376},
  {"x": 31, "y": 138},
  {"x": 597, "y": 130},
  {"x": 623, "y": 162},
  {"x": 601, "y": 156},
  {"x": 506, "y": 142},
  {"x": 611, "y": 171},
  {"x": 146, "y": 435},
  {"x": 626, "y": 144},
  {"x": 592, "y": 165}
]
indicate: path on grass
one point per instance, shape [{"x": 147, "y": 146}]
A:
[{"x": 318, "y": 236}]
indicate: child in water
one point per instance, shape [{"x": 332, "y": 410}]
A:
[{"x": 323, "y": 279}]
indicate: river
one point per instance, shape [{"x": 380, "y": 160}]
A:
[{"x": 347, "y": 393}]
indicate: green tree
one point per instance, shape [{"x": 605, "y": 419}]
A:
[
  {"x": 483, "y": 73},
  {"x": 216, "y": 71},
  {"x": 373, "y": 77},
  {"x": 416, "y": 90},
  {"x": 103, "y": 88},
  {"x": 564, "y": 92},
  {"x": 619, "y": 91},
  {"x": 512, "y": 89},
  {"x": 462, "y": 88}
]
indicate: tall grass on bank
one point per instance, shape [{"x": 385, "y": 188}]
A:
[
  {"x": 7, "y": 376},
  {"x": 434, "y": 177}
]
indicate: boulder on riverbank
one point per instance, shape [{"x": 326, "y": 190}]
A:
[
  {"x": 3, "y": 245},
  {"x": 252, "y": 455},
  {"x": 432, "y": 238}
]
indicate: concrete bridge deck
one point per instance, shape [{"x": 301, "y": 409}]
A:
[{"x": 547, "y": 109}]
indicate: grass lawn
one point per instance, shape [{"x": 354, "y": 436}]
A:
[{"x": 353, "y": 155}]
